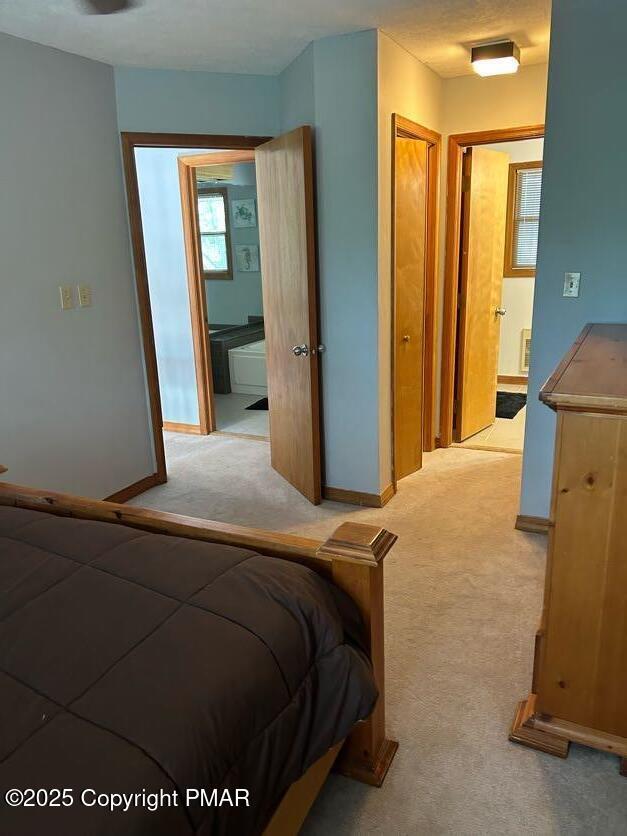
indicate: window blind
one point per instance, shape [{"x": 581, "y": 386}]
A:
[
  {"x": 526, "y": 217},
  {"x": 213, "y": 229}
]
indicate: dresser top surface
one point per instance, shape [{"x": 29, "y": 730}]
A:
[{"x": 592, "y": 376}]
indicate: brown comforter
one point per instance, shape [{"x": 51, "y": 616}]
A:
[{"x": 135, "y": 663}]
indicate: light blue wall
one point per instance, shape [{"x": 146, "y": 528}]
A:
[
  {"x": 173, "y": 101},
  {"x": 176, "y": 101},
  {"x": 73, "y": 411},
  {"x": 296, "y": 92},
  {"x": 232, "y": 301},
  {"x": 160, "y": 199},
  {"x": 584, "y": 207},
  {"x": 228, "y": 301},
  {"x": 333, "y": 86},
  {"x": 345, "y": 83}
]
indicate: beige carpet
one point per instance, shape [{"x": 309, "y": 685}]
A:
[{"x": 463, "y": 597}]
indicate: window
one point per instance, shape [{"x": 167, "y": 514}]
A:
[
  {"x": 523, "y": 216},
  {"x": 213, "y": 230}
]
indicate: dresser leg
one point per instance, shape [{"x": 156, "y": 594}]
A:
[
  {"x": 623, "y": 767},
  {"x": 522, "y": 731}
]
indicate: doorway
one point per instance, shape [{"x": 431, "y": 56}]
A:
[
  {"x": 285, "y": 323},
  {"x": 415, "y": 176},
  {"x": 494, "y": 186},
  {"x": 221, "y": 232}
]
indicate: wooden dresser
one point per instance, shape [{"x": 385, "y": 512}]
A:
[{"x": 579, "y": 689}]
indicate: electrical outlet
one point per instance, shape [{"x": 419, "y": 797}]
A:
[
  {"x": 84, "y": 295},
  {"x": 67, "y": 297},
  {"x": 571, "y": 284}
]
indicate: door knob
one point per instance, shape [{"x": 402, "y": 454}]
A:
[
  {"x": 406, "y": 338},
  {"x": 500, "y": 311},
  {"x": 303, "y": 350}
]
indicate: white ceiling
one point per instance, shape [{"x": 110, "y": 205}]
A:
[{"x": 263, "y": 36}]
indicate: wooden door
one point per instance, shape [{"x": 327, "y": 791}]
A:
[
  {"x": 484, "y": 210},
  {"x": 410, "y": 228},
  {"x": 288, "y": 268}
]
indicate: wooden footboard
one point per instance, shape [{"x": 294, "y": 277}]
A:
[{"x": 352, "y": 558}]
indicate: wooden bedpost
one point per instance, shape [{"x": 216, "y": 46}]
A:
[{"x": 357, "y": 553}]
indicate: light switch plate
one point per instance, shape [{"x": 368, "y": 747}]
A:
[
  {"x": 84, "y": 295},
  {"x": 67, "y": 297},
  {"x": 571, "y": 284}
]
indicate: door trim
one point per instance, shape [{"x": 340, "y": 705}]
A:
[
  {"x": 456, "y": 145},
  {"x": 130, "y": 141},
  {"x": 196, "y": 280},
  {"x": 403, "y": 127}
]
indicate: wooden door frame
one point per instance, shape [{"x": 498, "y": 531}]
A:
[
  {"x": 130, "y": 141},
  {"x": 195, "y": 278},
  {"x": 456, "y": 145},
  {"x": 402, "y": 127}
]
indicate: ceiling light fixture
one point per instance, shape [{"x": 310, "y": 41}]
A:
[{"x": 495, "y": 59}]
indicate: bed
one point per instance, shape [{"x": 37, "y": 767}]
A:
[{"x": 145, "y": 655}]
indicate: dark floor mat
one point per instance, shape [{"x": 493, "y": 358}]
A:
[
  {"x": 260, "y": 404},
  {"x": 508, "y": 404}
]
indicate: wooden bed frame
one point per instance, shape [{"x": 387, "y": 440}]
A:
[{"x": 352, "y": 558}]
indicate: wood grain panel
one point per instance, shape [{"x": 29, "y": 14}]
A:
[
  {"x": 580, "y": 665},
  {"x": 593, "y": 375},
  {"x": 285, "y": 198},
  {"x": 219, "y": 158},
  {"x": 517, "y": 379},
  {"x": 288, "y": 818},
  {"x": 403, "y": 128},
  {"x": 179, "y": 427},
  {"x": 583, "y": 671},
  {"x": 410, "y": 227},
  {"x": 370, "y": 500},
  {"x": 368, "y": 753},
  {"x": 135, "y": 489},
  {"x": 197, "y": 299},
  {"x": 431, "y": 348},
  {"x": 609, "y": 707},
  {"x": 535, "y": 525},
  {"x": 481, "y": 279}
]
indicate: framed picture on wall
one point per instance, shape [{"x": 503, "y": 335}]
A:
[
  {"x": 244, "y": 213},
  {"x": 247, "y": 258}
]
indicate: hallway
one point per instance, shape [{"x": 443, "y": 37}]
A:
[{"x": 463, "y": 598}]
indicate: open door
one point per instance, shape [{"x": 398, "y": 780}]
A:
[
  {"x": 410, "y": 228},
  {"x": 484, "y": 210},
  {"x": 285, "y": 198}
]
